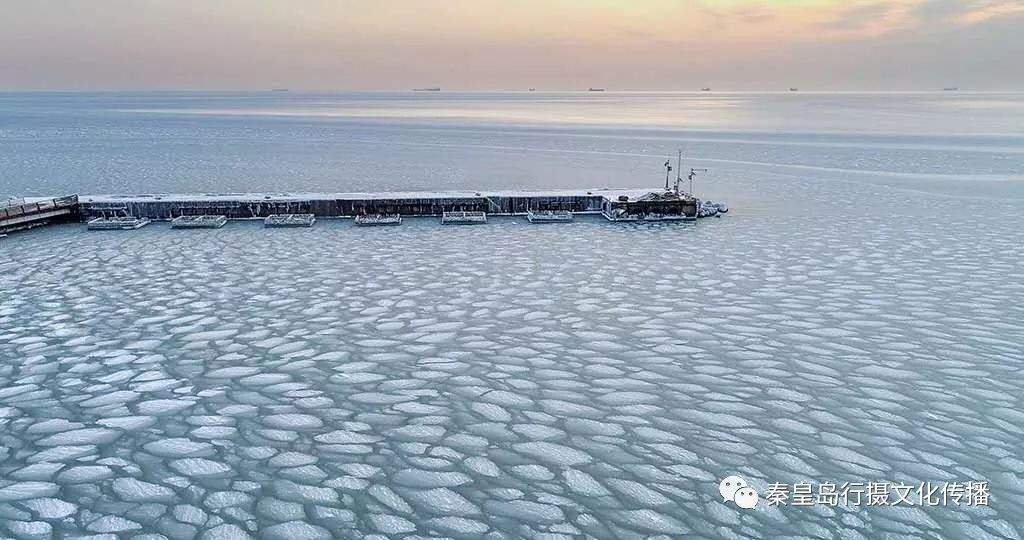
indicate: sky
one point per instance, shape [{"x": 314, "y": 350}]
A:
[{"x": 751, "y": 45}]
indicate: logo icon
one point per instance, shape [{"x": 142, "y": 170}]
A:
[{"x": 735, "y": 489}]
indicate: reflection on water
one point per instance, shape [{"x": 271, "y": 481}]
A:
[
  {"x": 201, "y": 142},
  {"x": 809, "y": 112}
]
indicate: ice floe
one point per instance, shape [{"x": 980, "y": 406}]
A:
[{"x": 524, "y": 391}]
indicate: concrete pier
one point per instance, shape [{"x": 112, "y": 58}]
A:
[
  {"x": 26, "y": 214},
  {"x": 349, "y": 205},
  {"x": 193, "y": 210}
]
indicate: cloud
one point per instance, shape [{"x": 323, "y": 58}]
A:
[
  {"x": 858, "y": 18},
  {"x": 493, "y": 44},
  {"x": 966, "y": 12},
  {"x": 890, "y": 18},
  {"x": 997, "y": 9}
]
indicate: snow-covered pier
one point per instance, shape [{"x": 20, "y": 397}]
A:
[
  {"x": 303, "y": 209},
  {"x": 19, "y": 214},
  {"x": 350, "y": 205}
]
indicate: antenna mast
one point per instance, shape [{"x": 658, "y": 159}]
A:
[{"x": 679, "y": 168}]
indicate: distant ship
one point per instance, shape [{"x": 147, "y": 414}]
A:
[
  {"x": 794, "y": 89},
  {"x": 951, "y": 88},
  {"x": 278, "y": 89},
  {"x": 595, "y": 90},
  {"x": 533, "y": 89},
  {"x": 432, "y": 89},
  {"x": 705, "y": 89}
]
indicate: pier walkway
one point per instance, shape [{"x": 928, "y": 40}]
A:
[
  {"x": 22, "y": 214},
  {"x": 214, "y": 209},
  {"x": 350, "y": 205}
]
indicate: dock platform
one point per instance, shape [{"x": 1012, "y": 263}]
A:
[
  {"x": 464, "y": 218},
  {"x": 376, "y": 220},
  {"x": 549, "y": 216},
  {"x": 199, "y": 222},
  {"x": 289, "y": 220},
  {"x": 117, "y": 223}
]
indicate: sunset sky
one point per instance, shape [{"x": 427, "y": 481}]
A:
[{"x": 511, "y": 44}]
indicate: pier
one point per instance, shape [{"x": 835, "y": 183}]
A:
[
  {"x": 19, "y": 214},
  {"x": 406, "y": 204},
  {"x": 213, "y": 210}
]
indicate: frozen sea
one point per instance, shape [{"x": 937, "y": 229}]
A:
[{"x": 857, "y": 317}]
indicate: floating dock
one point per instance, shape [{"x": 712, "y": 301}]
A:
[
  {"x": 549, "y": 216},
  {"x": 289, "y": 220},
  {"x": 462, "y": 217},
  {"x": 117, "y": 223},
  {"x": 199, "y": 222},
  {"x": 375, "y": 220}
]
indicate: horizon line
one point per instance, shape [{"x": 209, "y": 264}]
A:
[{"x": 711, "y": 90}]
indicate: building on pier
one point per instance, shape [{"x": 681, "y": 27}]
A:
[{"x": 652, "y": 206}]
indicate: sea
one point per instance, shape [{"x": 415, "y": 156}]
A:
[{"x": 848, "y": 340}]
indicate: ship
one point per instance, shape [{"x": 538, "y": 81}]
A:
[
  {"x": 705, "y": 89},
  {"x": 794, "y": 89},
  {"x": 595, "y": 90},
  {"x": 431, "y": 89}
]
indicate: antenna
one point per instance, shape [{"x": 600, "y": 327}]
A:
[{"x": 679, "y": 167}]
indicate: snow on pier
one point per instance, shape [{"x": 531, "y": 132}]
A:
[
  {"x": 289, "y": 220},
  {"x": 500, "y": 203},
  {"x": 463, "y": 218},
  {"x": 18, "y": 214},
  {"x": 371, "y": 220},
  {"x": 199, "y": 222},
  {"x": 213, "y": 210},
  {"x": 117, "y": 223},
  {"x": 549, "y": 216}
]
